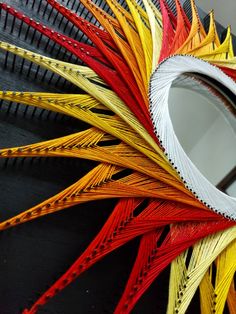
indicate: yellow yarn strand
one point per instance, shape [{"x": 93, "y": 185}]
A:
[{"x": 185, "y": 279}]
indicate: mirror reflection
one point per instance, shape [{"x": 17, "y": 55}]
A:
[{"x": 204, "y": 133}]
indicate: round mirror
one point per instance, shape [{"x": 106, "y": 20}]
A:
[
  {"x": 203, "y": 85},
  {"x": 202, "y": 127}
]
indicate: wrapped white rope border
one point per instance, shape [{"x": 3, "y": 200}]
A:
[{"x": 159, "y": 88}]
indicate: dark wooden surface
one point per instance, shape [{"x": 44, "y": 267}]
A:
[{"x": 34, "y": 254}]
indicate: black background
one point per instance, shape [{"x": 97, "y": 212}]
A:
[{"x": 34, "y": 255}]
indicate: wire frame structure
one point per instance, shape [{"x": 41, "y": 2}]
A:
[{"x": 122, "y": 58}]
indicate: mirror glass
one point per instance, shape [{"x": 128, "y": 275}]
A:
[
  {"x": 204, "y": 132},
  {"x": 231, "y": 190}
]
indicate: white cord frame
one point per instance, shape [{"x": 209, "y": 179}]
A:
[{"x": 160, "y": 84}]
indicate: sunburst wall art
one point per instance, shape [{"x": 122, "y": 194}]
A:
[{"x": 124, "y": 56}]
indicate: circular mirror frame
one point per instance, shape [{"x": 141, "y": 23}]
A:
[{"x": 161, "y": 81}]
